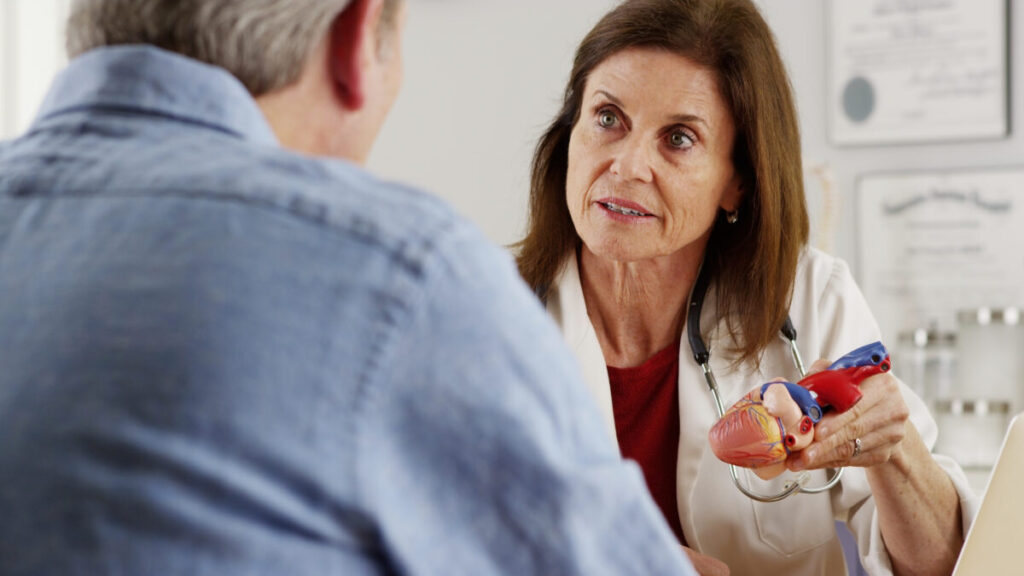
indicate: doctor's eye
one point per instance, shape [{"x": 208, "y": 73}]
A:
[
  {"x": 679, "y": 138},
  {"x": 607, "y": 118}
]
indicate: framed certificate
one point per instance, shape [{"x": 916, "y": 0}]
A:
[
  {"x": 930, "y": 244},
  {"x": 919, "y": 71}
]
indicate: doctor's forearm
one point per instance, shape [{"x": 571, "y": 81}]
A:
[{"x": 918, "y": 510}]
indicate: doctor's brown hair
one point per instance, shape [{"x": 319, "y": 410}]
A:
[{"x": 752, "y": 262}]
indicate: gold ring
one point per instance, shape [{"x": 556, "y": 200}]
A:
[{"x": 856, "y": 447}]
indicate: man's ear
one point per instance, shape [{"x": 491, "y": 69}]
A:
[{"x": 351, "y": 38}]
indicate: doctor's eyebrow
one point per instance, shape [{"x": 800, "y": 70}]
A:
[{"x": 674, "y": 119}]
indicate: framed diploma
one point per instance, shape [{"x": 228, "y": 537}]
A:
[
  {"x": 918, "y": 71},
  {"x": 930, "y": 244}
]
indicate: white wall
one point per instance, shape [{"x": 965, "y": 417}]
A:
[
  {"x": 483, "y": 79},
  {"x": 5, "y": 83},
  {"x": 31, "y": 52}
]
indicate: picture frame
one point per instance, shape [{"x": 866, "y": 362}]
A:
[
  {"x": 931, "y": 243},
  {"x": 917, "y": 72}
]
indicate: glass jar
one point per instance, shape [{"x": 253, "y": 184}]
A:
[
  {"x": 925, "y": 360},
  {"x": 990, "y": 356},
  {"x": 971, "y": 431}
]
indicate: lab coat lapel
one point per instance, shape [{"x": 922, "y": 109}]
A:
[
  {"x": 697, "y": 413},
  {"x": 567, "y": 306}
]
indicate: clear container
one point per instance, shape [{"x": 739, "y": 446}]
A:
[
  {"x": 971, "y": 430},
  {"x": 989, "y": 356},
  {"x": 926, "y": 361}
]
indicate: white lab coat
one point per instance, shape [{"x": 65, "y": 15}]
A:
[{"x": 797, "y": 535}]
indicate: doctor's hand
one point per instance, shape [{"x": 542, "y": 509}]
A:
[
  {"x": 706, "y": 565},
  {"x": 871, "y": 432}
]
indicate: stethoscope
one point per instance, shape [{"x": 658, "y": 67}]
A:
[{"x": 701, "y": 355}]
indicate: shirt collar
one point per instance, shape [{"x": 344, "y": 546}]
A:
[{"x": 149, "y": 80}]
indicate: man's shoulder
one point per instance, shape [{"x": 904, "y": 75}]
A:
[
  {"x": 335, "y": 198},
  {"x": 153, "y": 161},
  {"x": 338, "y": 196}
]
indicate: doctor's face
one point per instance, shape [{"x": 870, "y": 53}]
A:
[{"x": 650, "y": 158}]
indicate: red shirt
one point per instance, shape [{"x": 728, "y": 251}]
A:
[{"x": 645, "y": 400}]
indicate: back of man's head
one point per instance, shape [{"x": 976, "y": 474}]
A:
[{"x": 263, "y": 43}]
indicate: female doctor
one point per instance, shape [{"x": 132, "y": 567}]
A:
[{"x": 676, "y": 155}]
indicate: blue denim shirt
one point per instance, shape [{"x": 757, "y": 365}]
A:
[{"x": 221, "y": 357}]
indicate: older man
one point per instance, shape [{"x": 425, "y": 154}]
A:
[{"x": 225, "y": 352}]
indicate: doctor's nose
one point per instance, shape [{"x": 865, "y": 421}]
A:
[{"x": 633, "y": 162}]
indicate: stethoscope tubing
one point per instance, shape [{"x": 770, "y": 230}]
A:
[{"x": 702, "y": 356}]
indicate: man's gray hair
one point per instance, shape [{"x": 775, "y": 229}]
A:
[{"x": 263, "y": 43}]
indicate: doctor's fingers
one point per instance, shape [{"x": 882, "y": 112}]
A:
[
  {"x": 873, "y": 448},
  {"x": 866, "y": 434},
  {"x": 818, "y": 365},
  {"x": 881, "y": 404}
]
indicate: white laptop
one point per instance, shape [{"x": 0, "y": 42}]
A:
[{"x": 995, "y": 542}]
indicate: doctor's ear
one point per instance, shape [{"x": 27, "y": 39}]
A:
[
  {"x": 734, "y": 194},
  {"x": 731, "y": 205}
]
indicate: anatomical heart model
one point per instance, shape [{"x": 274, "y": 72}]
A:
[{"x": 777, "y": 418}]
